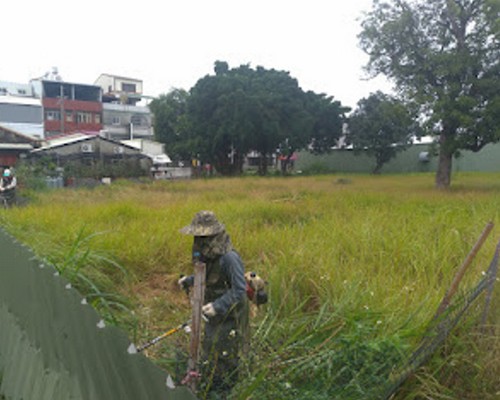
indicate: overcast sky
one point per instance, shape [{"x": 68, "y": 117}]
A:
[{"x": 171, "y": 44}]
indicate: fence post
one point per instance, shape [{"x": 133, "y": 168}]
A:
[
  {"x": 460, "y": 273},
  {"x": 196, "y": 331}
]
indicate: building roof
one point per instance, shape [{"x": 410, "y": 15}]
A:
[
  {"x": 65, "y": 140},
  {"x": 21, "y": 100},
  {"x": 66, "y": 83},
  {"x": 119, "y": 77},
  {"x": 28, "y": 132},
  {"x": 154, "y": 150},
  {"x": 16, "y": 146}
]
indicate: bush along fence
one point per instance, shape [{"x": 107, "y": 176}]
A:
[
  {"x": 54, "y": 346},
  {"x": 450, "y": 312}
]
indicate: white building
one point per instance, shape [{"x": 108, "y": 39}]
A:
[{"x": 125, "y": 111}]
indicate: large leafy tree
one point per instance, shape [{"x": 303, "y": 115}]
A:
[
  {"x": 381, "y": 126},
  {"x": 445, "y": 56},
  {"x": 243, "y": 109},
  {"x": 328, "y": 118},
  {"x": 171, "y": 123}
]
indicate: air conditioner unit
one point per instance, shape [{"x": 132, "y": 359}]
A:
[
  {"x": 87, "y": 148},
  {"x": 118, "y": 149}
]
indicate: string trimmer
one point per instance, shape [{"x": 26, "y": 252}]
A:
[{"x": 133, "y": 349}]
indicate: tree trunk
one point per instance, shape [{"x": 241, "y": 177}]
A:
[
  {"x": 377, "y": 169},
  {"x": 263, "y": 165},
  {"x": 379, "y": 162},
  {"x": 443, "y": 173}
]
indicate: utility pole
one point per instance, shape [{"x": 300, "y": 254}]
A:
[{"x": 61, "y": 100}]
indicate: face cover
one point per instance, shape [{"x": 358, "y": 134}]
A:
[{"x": 211, "y": 247}]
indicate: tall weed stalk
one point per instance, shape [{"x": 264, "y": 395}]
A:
[{"x": 89, "y": 271}]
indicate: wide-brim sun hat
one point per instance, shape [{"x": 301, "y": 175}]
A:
[{"x": 204, "y": 223}]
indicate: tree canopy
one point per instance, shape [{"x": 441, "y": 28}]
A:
[
  {"x": 243, "y": 109},
  {"x": 445, "y": 56},
  {"x": 381, "y": 126},
  {"x": 171, "y": 124}
]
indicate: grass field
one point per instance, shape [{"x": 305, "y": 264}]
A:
[{"x": 357, "y": 266}]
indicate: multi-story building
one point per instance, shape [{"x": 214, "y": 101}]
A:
[
  {"x": 48, "y": 107},
  {"x": 69, "y": 107},
  {"x": 125, "y": 116}
]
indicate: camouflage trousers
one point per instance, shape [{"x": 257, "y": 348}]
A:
[{"x": 222, "y": 344}]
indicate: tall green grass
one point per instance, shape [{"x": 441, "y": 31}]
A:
[
  {"x": 357, "y": 266},
  {"x": 91, "y": 272}
]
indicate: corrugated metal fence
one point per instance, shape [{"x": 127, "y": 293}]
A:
[{"x": 54, "y": 346}]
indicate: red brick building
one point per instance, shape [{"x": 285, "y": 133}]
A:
[{"x": 70, "y": 107}]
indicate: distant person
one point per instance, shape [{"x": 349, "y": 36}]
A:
[
  {"x": 8, "y": 185},
  {"x": 225, "y": 303}
]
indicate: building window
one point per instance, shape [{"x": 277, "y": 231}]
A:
[
  {"x": 116, "y": 121},
  {"x": 84, "y": 117},
  {"x": 52, "y": 115},
  {"x": 136, "y": 120},
  {"x": 69, "y": 116},
  {"x": 128, "y": 87},
  {"x": 97, "y": 118}
]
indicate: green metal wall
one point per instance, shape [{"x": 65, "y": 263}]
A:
[
  {"x": 53, "y": 346},
  {"x": 344, "y": 161}
]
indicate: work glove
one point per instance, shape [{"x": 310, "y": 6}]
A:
[
  {"x": 183, "y": 284},
  {"x": 209, "y": 310}
]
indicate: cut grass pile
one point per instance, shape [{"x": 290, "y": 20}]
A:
[{"x": 356, "y": 268}]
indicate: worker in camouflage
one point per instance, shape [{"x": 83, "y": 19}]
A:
[{"x": 225, "y": 303}]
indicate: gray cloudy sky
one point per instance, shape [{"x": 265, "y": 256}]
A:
[{"x": 174, "y": 43}]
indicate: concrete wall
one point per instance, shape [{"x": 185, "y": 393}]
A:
[
  {"x": 117, "y": 120},
  {"x": 21, "y": 113},
  {"x": 409, "y": 161},
  {"x": 115, "y": 83}
]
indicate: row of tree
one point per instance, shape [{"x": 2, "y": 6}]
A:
[
  {"x": 444, "y": 57},
  {"x": 229, "y": 114}
]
